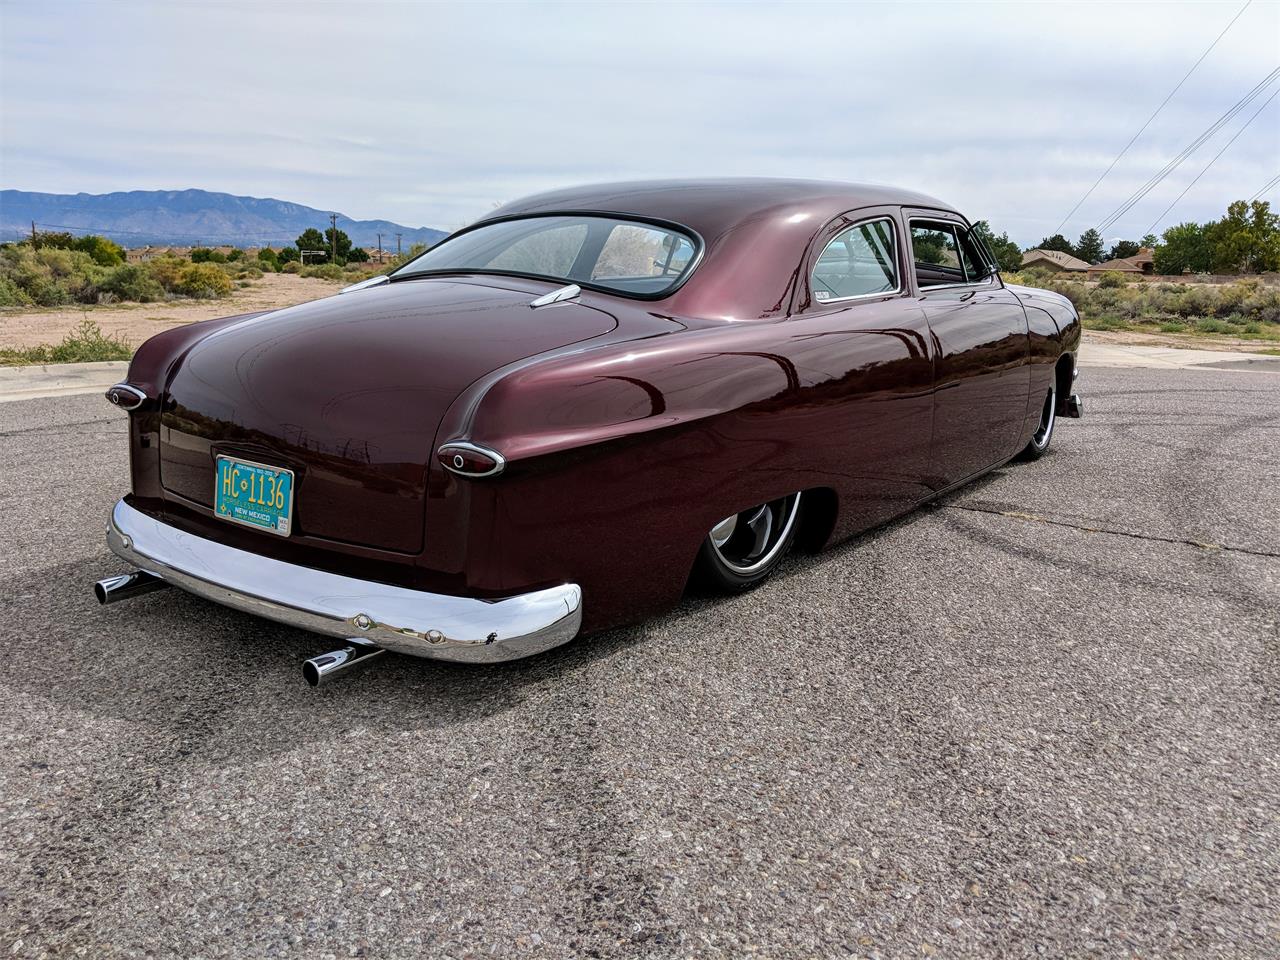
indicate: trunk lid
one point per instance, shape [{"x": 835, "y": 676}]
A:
[{"x": 348, "y": 392}]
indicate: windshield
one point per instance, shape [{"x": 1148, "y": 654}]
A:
[{"x": 625, "y": 256}]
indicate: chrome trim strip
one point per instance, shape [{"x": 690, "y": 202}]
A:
[
  {"x": 499, "y": 460},
  {"x": 567, "y": 292},
  {"x": 414, "y": 622},
  {"x": 366, "y": 284},
  {"x": 126, "y": 396}
]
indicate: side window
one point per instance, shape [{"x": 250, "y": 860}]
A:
[
  {"x": 545, "y": 250},
  {"x": 858, "y": 262},
  {"x": 936, "y": 253}
]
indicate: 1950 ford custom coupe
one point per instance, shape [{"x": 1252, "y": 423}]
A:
[{"x": 548, "y": 422}]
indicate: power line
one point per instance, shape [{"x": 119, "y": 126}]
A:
[
  {"x": 1187, "y": 151},
  {"x": 1266, "y": 187},
  {"x": 1215, "y": 158},
  {"x": 1163, "y": 102}
]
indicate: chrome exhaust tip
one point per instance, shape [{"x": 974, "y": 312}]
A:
[
  {"x": 126, "y": 586},
  {"x": 330, "y": 666}
]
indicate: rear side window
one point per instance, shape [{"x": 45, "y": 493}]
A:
[
  {"x": 858, "y": 262},
  {"x": 946, "y": 253}
]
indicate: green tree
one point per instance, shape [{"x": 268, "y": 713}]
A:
[
  {"x": 1089, "y": 246},
  {"x": 358, "y": 255},
  {"x": 268, "y": 256},
  {"x": 1246, "y": 240},
  {"x": 1183, "y": 248},
  {"x": 1057, "y": 242},
  {"x": 1150, "y": 241},
  {"x": 105, "y": 253},
  {"x": 1122, "y": 249},
  {"x": 1007, "y": 253},
  {"x": 286, "y": 254},
  {"x": 341, "y": 246},
  {"x": 313, "y": 239}
]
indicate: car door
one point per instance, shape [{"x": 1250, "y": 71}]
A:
[
  {"x": 981, "y": 348},
  {"x": 858, "y": 334}
]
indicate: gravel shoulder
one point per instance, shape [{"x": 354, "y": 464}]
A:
[{"x": 1038, "y": 718}]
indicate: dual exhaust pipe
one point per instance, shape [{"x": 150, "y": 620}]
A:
[{"x": 317, "y": 671}]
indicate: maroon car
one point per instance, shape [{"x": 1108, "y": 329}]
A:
[{"x": 548, "y": 422}]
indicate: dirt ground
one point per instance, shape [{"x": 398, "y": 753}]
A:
[
  {"x": 136, "y": 322},
  {"x": 1182, "y": 341}
]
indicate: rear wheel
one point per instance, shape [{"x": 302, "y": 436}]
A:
[
  {"x": 1044, "y": 432},
  {"x": 744, "y": 548}
]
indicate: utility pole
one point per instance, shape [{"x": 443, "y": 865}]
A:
[
  {"x": 397, "y": 244},
  {"x": 379, "y": 248},
  {"x": 33, "y": 234},
  {"x": 333, "y": 238}
]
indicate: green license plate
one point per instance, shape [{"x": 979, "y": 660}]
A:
[{"x": 254, "y": 494}]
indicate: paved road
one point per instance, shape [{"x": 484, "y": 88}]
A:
[{"x": 1041, "y": 718}]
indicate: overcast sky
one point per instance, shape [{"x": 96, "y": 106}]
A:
[{"x": 429, "y": 114}]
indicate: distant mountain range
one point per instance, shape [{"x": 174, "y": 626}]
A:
[{"x": 188, "y": 218}]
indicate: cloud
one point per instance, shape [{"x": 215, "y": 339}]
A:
[{"x": 430, "y": 113}]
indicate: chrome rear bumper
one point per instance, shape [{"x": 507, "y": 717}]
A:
[{"x": 396, "y": 618}]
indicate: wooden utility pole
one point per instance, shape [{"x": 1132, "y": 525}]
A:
[
  {"x": 379, "y": 248},
  {"x": 33, "y": 234},
  {"x": 333, "y": 238},
  {"x": 397, "y": 244}
]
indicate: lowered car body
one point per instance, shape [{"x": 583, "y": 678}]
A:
[{"x": 545, "y": 424}]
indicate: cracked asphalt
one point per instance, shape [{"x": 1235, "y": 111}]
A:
[{"x": 1040, "y": 718}]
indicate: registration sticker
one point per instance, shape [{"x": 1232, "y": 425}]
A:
[{"x": 254, "y": 494}]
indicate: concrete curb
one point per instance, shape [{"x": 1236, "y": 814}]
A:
[
  {"x": 1171, "y": 358},
  {"x": 59, "y": 379}
]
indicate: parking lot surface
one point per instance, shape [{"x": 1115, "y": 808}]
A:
[{"x": 1040, "y": 717}]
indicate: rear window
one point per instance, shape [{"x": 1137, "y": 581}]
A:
[{"x": 625, "y": 256}]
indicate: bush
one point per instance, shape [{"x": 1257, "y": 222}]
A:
[
  {"x": 1173, "y": 326},
  {"x": 1112, "y": 278},
  {"x": 132, "y": 282},
  {"x": 12, "y": 295},
  {"x": 324, "y": 271},
  {"x": 293, "y": 266},
  {"x": 267, "y": 257},
  {"x": 235, "y": 254},
  {"x": 1210, "y": 325},
  {"x": 84, "y": 344},
  {"x": 205, "y": 255},
  {"x": 202, "y": 280}
]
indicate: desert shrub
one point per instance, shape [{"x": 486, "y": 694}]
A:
[
  {"x": 267, "y": 257},
  {"x": 131, "y": 281},
  {"x": 287, "y": 254},
  {"x": 1213, "y": 325},
  {"x": 1112, "y": 278},
  {"x": 1173, "y": 326},
  {"x": 235, "y": 254},
  {"x": 206, "y": 255},
  {"x": 1253, "y": 327},
  {"x": 50, "y": 276},
  {"x": 83, "y": 344},
  {"x": 166, "y": 270},
  {"x": 324, "y": 271},
  {"x": 1263, "y": 305},
  {"x": 293, "y": 266},
  {"x": 202, "y": 280},
  {"x": 12, "y": 295},
  {"x": 1198, "y": 301}
]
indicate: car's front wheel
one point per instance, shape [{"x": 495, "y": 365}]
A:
[
  {"x": 744, "y": 548},
  {"x": 1044, "y": 432}
]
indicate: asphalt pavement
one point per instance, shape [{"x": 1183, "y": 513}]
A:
[{"x": 1039, "y": 718}]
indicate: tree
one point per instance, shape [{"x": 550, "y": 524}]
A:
[
  {"x": 313, "y": 239},
  {"x": 1150, "y": 241},
  {"x": 1246, "y": 240},
  {"x": 285, "y": 254},
  {"x": 1184, "y": 249},
  {"x": 341, "y": 246},
  {"x": 1089, "y": 247},
  {"x": 1057, "y": 242},
  {"x": 1007, "y": 253},
  {"x": 268, "y": 256},
  {"x": 358, "y": 255},
  {"x": 1122, "y": 249}
]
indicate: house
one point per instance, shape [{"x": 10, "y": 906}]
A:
[
  {"x": 1141, "y": 262},
  {"x": 1054, "y": 260}
]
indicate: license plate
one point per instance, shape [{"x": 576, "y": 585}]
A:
[{"x": 254, "y": 494}]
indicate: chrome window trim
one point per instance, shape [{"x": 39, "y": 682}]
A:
[
  {"x": 984, "y": 282},
  {"x": 893, "y": 233}
]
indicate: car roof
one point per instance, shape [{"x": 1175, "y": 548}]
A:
[{"x": 711, "y": 206}]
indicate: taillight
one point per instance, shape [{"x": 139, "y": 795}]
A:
[{"x": 470, "y": 460}]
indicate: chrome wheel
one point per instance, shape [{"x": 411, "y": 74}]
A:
[
  {"x": 749, "y": 541},
  {"x": 1047, "y": 419}
]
